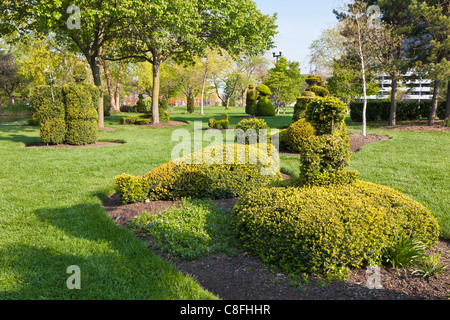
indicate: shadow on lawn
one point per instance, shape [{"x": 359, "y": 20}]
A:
[{"x": 113, "y": 263}]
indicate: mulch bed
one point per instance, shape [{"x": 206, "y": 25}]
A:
[
  {"x": 246, "y": 277},
  {"x": 422, "y": 127}
]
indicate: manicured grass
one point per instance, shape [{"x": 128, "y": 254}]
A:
[
  {"x": 51, "y": 215},
  {"x": 415, "y": 163}
]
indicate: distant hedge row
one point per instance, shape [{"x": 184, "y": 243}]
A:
[{"x": 379, "y": 110}]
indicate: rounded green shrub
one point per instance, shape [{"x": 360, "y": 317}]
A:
[
  {"x": 313, "y": 80},
  {"x": 219, "y": 124},
  {"x": 263, "y": 90},
  {"x": 327, "y": 229},
  {"x": 217, "y": 172},
  {"x": 249, "y": 129},
  {"x": 52, "y": 131},
  {"x": 318, "y": 91},
  {"x": 144, "y": 105},
  {"x": 301, "y": 105},
  {"x": 309, "y": 94},
  {"x": 80, "y": 73},
  {"x": 265, "y": 108},
  {"x": 326, "y": 114},
  {"x": 81, "y": 114},
  {"x": 49, "y": 114},
  {"x": 322, "y": 155},
  {"x": 296, "y": 134}
]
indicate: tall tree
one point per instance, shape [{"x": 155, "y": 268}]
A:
[
  {"x": 85, "y": 28},
  {"x": 361, "y": 41},
  {"x": 10, "y": 79},
  {"x": 430, "y": 29},
  {"x": 184, "y": 29},
  {"x": 286, "y": 82}
]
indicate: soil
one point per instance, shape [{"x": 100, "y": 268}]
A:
[
  {"x": 421, "y": 126},
  {"x": 246, "y": 277}
]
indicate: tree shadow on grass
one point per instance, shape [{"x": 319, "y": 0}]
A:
[{"x": 113, "y": 263}]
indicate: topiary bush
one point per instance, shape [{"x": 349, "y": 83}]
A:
[
  {"x": 144, "y": 104},
  {"x": 322, "y": 156},
  {"x": 326, "y": 229},
  {"x": 146, "y": 119},
  {"x": 49, "y": 115},
  {"x": 190, "y": 104},
  {"x": 252, "y": 100},
  {"x": 296, "y": 134},
  {"x": 318, "y": 91},
  {"x": 301, "y": 106},
  {"x": 249, "y": 129},
  {"x": 214, "y": 176},
  {"x": 81, "y": 114},
  {"x": 219, "y": 124},
  {"x": 264, "y": 108},
  {"x": 327, "y": 115}
]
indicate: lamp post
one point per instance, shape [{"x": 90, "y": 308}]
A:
[
  {"x": 51, "y": 82},
  {"x": 277, "y": 56}
]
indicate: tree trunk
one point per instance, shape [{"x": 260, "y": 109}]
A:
[
  {"x": 394, "y": 93},
  {"x": 119, "y": 86},
  {"x": 155, "y": 93},
  {"x": 109, "y": 84},
  {"x": 244, "y": 97},
  {"x": 434, "y": 103},
  {"x": 202, "y": 101},
  {"x": 95, "y": 68},
  {"x": 447, "y": 110}
]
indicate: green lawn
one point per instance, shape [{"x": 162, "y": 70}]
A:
[{"x": 51, "y": 215}]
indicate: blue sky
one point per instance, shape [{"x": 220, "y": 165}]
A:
[{"x": 299, "y": 23}]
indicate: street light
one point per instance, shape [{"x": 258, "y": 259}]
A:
[
  {"x": 51, "y": 79},
  {"x": 277, "y": 56}
]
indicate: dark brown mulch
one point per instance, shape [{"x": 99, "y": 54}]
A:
[
  {"x": 246, "y": 277},
  {"x": 422, "y": 127}
]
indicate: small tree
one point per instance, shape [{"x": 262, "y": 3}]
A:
[
  {"x": 285, "y": 81},
  {"x": 10, "y": 80}
]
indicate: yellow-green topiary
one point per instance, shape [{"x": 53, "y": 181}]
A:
[
  {"x": 218, "y": 172},
  {"x": 296, "y": 134},
  {"x": 321, "y": 229}
]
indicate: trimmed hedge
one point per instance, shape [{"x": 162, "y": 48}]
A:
[
  {"x": 146, "y": 119},
  {"x": 301, "y": 105},
  {"x": 176, "y": 179},
  {"x": 252, "y": 100},
  {"x": 249, "y": 127},
  {"x": 328, "y": 229},
  {"x": 318, "y": 91},
  {"x": 321, "y": 156},
  {"x": 81, "y": 114},
  {"x": 220, "y": 124},
  {"x": 265, "y": 108},
  {"x": 296, "y": 134},
  {"x": 49, "y": 115},
  {"x": 406, "y": 110},
  {"x": 144, "y": 104},
  {"x": 327, "y": 115}
]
